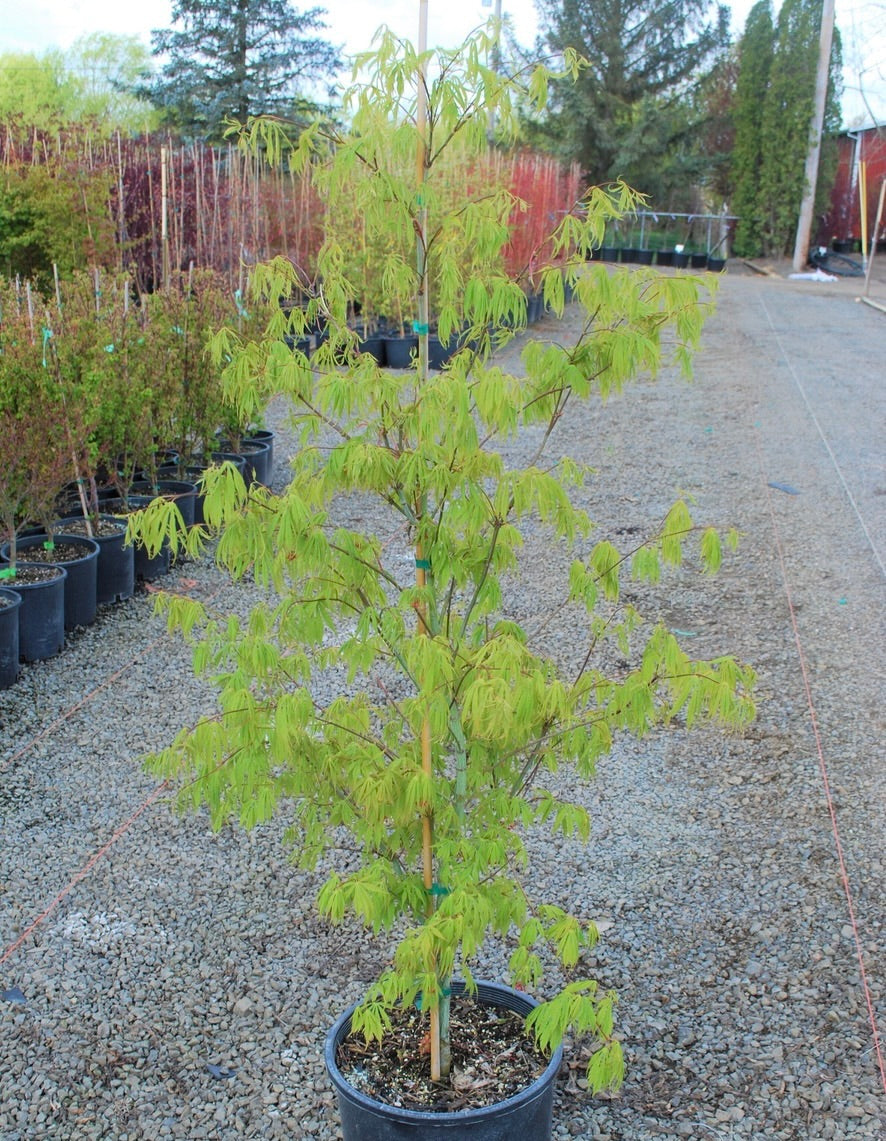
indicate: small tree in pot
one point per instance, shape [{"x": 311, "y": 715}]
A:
[
  {"x": 431, "y": 758},
  {"x": 39, "y": 446}
]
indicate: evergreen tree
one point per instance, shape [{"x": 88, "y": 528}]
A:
[
  {"x": 629, "y": 114},
  {"x": 236, "y": 59},
  {"x": 785, "y": 123},
  {"x": 756, "y": 53}
]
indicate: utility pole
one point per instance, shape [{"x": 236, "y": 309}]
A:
[{"x": 807, "y": 206}]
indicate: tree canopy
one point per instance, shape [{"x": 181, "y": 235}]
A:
[
  {"x": 91, "y": 83},
  {"x": 629, "y": 115},
  {"x": 236, "y": 59},
  {"x": 774, "y": 101},
  {"x": 756, "y": 52}
]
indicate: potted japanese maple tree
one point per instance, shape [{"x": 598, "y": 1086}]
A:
[{"x": 431, "y": 758}]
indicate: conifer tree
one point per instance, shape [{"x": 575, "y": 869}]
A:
[
  {"x": 784, "y": 129},
  {"x": 248, "y": 57},
  {"x": 756, "y": 51},
  {"x": 628, "y": 110}
]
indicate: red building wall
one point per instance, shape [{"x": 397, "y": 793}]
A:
[{"x": 843, "y": 219}]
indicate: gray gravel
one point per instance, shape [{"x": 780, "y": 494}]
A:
[{"x": 182, "y": 986}]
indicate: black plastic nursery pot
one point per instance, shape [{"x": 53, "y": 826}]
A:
[
  {"x": 374, "y": 345},
  {"x": 440, "y": 352},
  {"x": 399, "y": 352},
  {"x": 115, "y": 572},
  {"x": 263, "y": 436},
  {"x": 236, "y": 458},
  {"x": 535, "y": 308},
  {"x": 257, "y": 458},
  {"x": 82, "y": 574},
  {"x": 147, "y": 567},
  {"x": 193, "y": 474},
  {"x": 41, "y": 617},
  {"x": 181, "y": 491},
  {"x": 525, "y": 1117},
  {"x": 10, "y": 604}
]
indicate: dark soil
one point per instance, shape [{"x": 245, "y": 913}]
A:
[
  {"x": 29, "y": 572},
  {"x": 492, "y": 1059},
  {"x": 61, "y": 553},
  {"x": 99, "y": 527}
]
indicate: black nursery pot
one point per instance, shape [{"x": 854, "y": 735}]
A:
[
  {"x": 41, "y": 617},
  {"x": 182, "y": 491},
  {"x": 399, "y": 351},
  {"x": 115, "y": 574},
  {"x": 525, "y": 1117},
  {"x": 147, "y": 567},
  {"x": 256, "y": 456},
  {"x": 10, "y": 604},
  {"x": 374, "y": 345},
  {"x": 81, "y": 589},
  {"x": 440, "y": 352}
]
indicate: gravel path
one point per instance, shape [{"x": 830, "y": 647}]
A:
[{"x": 182, "y": 986}]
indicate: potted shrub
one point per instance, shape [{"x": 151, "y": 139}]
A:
[
  {"x": 430, "y": 757},
  {"x": 34, "y": 469},
  {"x": 188, "y": 403}
]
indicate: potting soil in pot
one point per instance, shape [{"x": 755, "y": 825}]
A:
[{"x": 493, "y": 1058}]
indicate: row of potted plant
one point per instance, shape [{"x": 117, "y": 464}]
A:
[
  {"x": 53, "y": 578},
  {"x": 680, "y": 257},
  {"x": 105, "y": 396}
]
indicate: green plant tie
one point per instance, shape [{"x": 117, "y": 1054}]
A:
[
  {"x": 49, "y": 545},
  {"x": 109, "y": 348},
  {"x": 423, "y": 564},
  {"x": 47, "y": 333},
  {"x": 438, "y": 889},
  {"x": 421, "y": 327},
  {"x": 238, "y": 301},
  {"x": 445, "y": 991},
  {"x": 7, "y": 572}
]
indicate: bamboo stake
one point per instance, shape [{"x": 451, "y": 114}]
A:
[
  {"x": 867, "y": 276},
  {"x": 121, "y": 217},
  {"x": 164, "y": 207},
  {"x": 78, "y": 477},
  {"x": 214, "y": 229},
  {"x": 180, "y": 214},
  {"x": 30, "y": 304},
  {"x": 438, "y": 1063}
]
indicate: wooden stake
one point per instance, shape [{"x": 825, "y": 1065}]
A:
[
  {"x": 867, "y": 276},
  {"x": 164, "y": 210}
]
